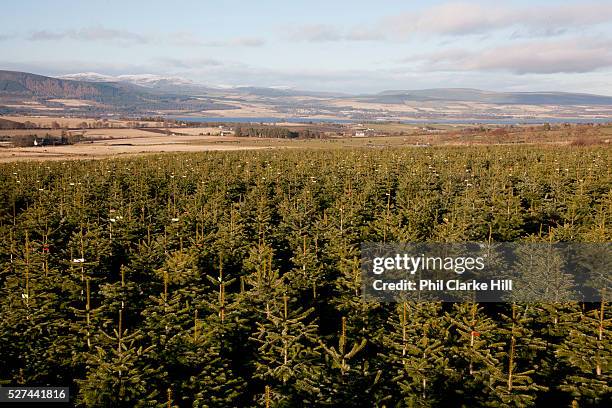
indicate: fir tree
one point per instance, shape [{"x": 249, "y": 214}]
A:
[
  {"x": 511, "y": 381},
  {"x": 472, "y": 348},
  {"x": 286, "y": 350},
  {"x": 339, "y": 381},
  {"x": 587, "y": 350},
  {"x": 414, "y": 346},
  {"x": 116, "y": 374}
]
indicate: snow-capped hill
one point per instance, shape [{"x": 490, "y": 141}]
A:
[
  {"x": 146, "y": 80},
  {"x": 151, "y": 80},
  {"x": 89, "y": 77}
]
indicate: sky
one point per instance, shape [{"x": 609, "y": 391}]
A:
[{"x": 341, "y": 46}]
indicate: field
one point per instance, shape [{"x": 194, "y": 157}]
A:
[
  {"x": 121, "y": 138},
  {"x": 67, "y": 122},
  {"x": 117, "y": 139},
  {"x": 231, "y": 279}
]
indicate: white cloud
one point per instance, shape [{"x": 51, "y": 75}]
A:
[
  {"x": 238, "y": 42},
  {"x": 536, "y": 56},
  {"x": 467, "y": 18},
  {"x": 328, "y": 33},
  {"x": 184, "y": 39},
  {"x": 315, "y": 33},
  {"x": 182, "y": 63},
  {"x": 96, "y": 33},
  {"x": 363, "y": 33},
  {"x": 190, "y": 40},
  {"x": 104, "y": 34}
]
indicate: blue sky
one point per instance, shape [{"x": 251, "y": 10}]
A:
[{"x": 350, "y": 46}]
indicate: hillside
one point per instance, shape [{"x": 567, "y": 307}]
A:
[
  {"x": 157, "y": 84},
  {"x": 21, "y": 83},
  {"x": 147, "y": 94},
  {"x": 476, "y": 95},
  {"x": 19, "y": 88}
]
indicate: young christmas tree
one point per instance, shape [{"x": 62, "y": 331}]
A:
[
  {"x": 287, "y": 351},
  {"x": 511, "y": 381},
  {"x": 588, "y": 351},
  {"x": 471, "y": 346},
  {"x": 414, "y": 349}
]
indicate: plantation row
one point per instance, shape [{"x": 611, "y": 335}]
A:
[{"x": 233, "y": 279}]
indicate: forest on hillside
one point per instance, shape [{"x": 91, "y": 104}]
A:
[{"x": 232, "y": 279}]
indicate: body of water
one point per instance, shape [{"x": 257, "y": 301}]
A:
[
  {"x": 505, "y": 121},
  {"x": 258, "y": 119}
]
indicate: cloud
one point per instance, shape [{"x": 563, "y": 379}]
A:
[
  {"x": 100, "y": 33},
  {"x": 239, "y": 42},
  {"x": 191, "y": 40},
  {"x": 44, "y": 35},
  {"x": 341, "y": 80},
  {"x": 364, "y": 34},
  {"x": 534, "y": 57},
  {"x": 187, "y": 63},
  {"x": 233, "y": 42},
  {"x": 315, "y": 33},
  {"x": 108, "y": 34},
  {"x": 466, "y": 18},
  {"x": 328, "y": 33},
  {"x": 97, "y": 33},
  {"x": 448, "y": 18},
  {"x": 457, "y": 18},
  {"x": 184, "y": 39},
  {"x": 56, "y": 68}
]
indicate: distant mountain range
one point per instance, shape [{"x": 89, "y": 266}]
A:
[
  {"x": 135, "y": 94},
  {"x": 145, "y": 80},
  {"x": 476, "y": 95},
  {"x": 153, "y": 83},
  {"x": 91, "y": 85},
  {"x": 20, "y": 83},
  {"x": 179, "y": 85},
  {"x": 146, "y": 94}
]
